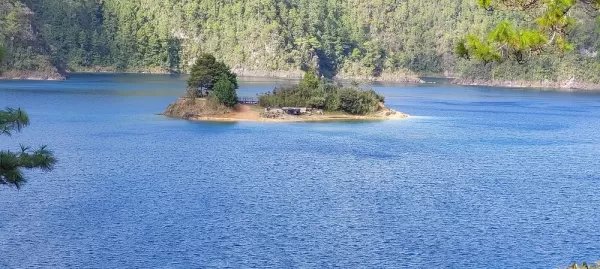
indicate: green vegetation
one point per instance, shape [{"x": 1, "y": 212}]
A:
[
  {"x": 540, "y": 40},
  {"x": 224, "y": 92},
  {"x": 347, "y": 38},
  {"x": 22, "y": 47},
  {"x": 205, "y": 73},
  {"x": 11, "y": 163},
  {"x": 2, "y": 53},
  {"x": 322, "y": 94},
  {"x": 553, "y": 21},
  {"x": 211, "y": 78}
]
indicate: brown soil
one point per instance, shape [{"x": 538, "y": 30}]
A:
[{"x": 201, "y": 110}]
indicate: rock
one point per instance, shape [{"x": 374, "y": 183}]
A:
[{"x": 186, "y": 108}]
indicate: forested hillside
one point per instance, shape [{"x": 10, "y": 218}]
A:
[
  {"x": 26, "y": 53},
  {"x": 389, "y": 39}
]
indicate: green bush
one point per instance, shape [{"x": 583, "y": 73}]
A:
[
  {"x": 345, "y": 38},
  {"x": 224, "y": 91},
  {"x": 324, "y": 95},
  {"x": 332, "y": 102},
  {"x": 1, "y": 57},
  {"x": 358, "y": 102},
  {"x": 310, "y": 80},
  {"x": 317, "y": 101}
]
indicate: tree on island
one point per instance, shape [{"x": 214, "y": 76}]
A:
[
  {"x": 310, "y": 80},
  {"x": 12, "y": 163},
  {"x": 553, "y": 21},
  {"x": 205, "y": 74}
]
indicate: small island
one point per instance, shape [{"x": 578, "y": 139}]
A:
[{"x": 211, "y": 96}]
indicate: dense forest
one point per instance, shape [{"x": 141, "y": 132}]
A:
[
  {"x": 389, "y": 39},
  {"x": 23, "y": 49}
]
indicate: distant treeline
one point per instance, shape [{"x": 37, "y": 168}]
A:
[{"x": 337, "y": 37}]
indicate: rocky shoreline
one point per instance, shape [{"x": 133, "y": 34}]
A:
[
  {"x": 200, "y": 110},
  {"x": 297, "y": 74},
  {"x": 31, "y": 75},
  {"x": 241, "y": 72},
  {"x": 568, "y": 85}
]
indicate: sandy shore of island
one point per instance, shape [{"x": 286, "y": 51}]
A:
[{"x": 199, "y": 111}]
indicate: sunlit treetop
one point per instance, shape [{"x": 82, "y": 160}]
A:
[{"x": 552, "y": 21}]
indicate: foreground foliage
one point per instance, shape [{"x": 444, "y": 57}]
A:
[
  {"x": 551, "y": 23},
  {"x": 12, "y": 163},
  {"x": 584, "y": 266},
  {"x": 313, "y": 92}
]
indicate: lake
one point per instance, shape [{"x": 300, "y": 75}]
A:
[{"x": 477, "y": 178}]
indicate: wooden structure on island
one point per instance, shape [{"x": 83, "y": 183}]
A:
[{"x": 248, "y": 100}]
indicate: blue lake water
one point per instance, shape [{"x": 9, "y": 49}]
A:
[{"x": 478, "y": 178}]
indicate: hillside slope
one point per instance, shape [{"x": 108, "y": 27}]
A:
[
  {"x": 27, "y": 54},
  {"x": 385, "y": 39}
]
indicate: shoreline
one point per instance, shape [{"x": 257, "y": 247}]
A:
[
  {"x": 299, "y": 120},
  {"x": 32, "y": 75},
  {"x": 199, "y": 110},
  {"x": 295, "y": 119},
  {"x": 564, "y": 86},
  {"x": 292, "y": 75},
  {"x": 264, "y": 74}
]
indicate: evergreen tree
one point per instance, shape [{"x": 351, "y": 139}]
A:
[
  {"x": 310, "y": 80},
  {"x": 205, "y": 73},
  {"x": 553, "y": 22},
  {"x": 12, "y": 163},
  {"x": 224, "y": 91},
  {"x": 2, "y": 52}
]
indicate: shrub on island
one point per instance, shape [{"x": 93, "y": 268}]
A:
[
  {"x": 224, "y": 92},
  {"x": 313, "y": 92}
]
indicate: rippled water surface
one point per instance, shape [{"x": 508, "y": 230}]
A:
[{"x": 478, "y": 178}]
